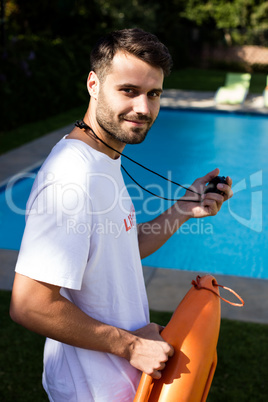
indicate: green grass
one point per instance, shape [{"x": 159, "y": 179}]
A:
[
  {"x": 241, "y": 373},
  {"x": 187, "y": 79},
  {"x": 195, "y": 80},
  {"x": 209, "y": 80},
  {"x": 20, "y": 359},
  {"x": 242, "y": 370},
  {"x": 29, "y": 132}
]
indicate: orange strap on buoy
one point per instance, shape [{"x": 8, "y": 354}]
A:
[
  {"x": 193, "y": 332},
  {"x": 197, "y": 285}
]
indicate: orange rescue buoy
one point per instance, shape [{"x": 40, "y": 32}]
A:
[{"x": 193, "y": 331}]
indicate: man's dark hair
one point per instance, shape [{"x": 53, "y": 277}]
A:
[{"x": 135, "y": 41}]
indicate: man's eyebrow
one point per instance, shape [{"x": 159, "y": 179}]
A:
[{"x": 126, "y": 85}]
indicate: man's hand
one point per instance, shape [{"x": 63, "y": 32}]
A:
[
  {"x": 149, "y": 352},
  {"x": 210, "y": 203},
  {"x": 153, "y": 234}
]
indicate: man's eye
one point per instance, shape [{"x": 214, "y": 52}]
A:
[
  {"x": 128, "y": 91},
  {"x": 154, "y": 94}
]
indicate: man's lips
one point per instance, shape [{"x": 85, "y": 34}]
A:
[
  {"x": 141, "y": 121},
  {"x": 136, "y": 122}
]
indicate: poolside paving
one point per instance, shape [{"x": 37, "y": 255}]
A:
[
  {"x": 29, "y": 155},
  {"x": 254, "y": 103},
  {"x": 165, "y": 287}
]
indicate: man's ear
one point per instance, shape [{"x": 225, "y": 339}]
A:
[{"x": 93, "y": 85}]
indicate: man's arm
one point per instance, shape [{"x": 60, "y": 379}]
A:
[
  {"x": 40, "y": 308},
  {"x": 152, "y": 235}
]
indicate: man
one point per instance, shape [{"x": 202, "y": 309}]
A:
[{"x": 77, "y": 283}]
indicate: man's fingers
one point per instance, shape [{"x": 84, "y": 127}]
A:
[
  {"x": 156, "y": 374},
  {"x": 150, "y": 352},
  {"x": 161, "y": 366},
  {"x": 209, "y": 176},
  {"x": 226, "y": 188},
  {"x": 229, "y": 181},
  {"x": 171, "y": 351}
]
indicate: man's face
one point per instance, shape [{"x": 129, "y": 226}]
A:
[{"x": 129, "y": 98}]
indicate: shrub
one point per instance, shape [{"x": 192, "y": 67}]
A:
[{"x": 41, "y": 78}]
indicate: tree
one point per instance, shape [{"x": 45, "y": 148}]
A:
[{"x": 227, "y": 16}]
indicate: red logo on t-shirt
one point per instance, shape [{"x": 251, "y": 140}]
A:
[{"x": 129, "y": 222}]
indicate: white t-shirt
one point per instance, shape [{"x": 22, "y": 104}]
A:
[{"x": 81, "y": 235}]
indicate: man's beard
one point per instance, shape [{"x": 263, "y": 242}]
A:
[
  {"x": 115, "y": 131},
  {"x": 105, "y": 119}
]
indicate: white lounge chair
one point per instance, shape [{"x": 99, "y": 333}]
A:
[{"x": 235, "y": 89}]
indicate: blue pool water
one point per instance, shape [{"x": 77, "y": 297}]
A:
[{"x": 184, "y": 145}]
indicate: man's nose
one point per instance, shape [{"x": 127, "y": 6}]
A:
[{"x": 141, "y": 105}]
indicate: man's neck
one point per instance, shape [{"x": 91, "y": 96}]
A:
[{"x": 94, "y": 135}]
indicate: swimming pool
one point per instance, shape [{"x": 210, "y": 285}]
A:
[{"x": 184, "y": 145}]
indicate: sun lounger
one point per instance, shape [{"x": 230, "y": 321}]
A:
[{"x": 235, "y": 89}]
